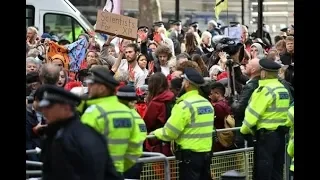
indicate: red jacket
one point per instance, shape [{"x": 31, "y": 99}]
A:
[
  {"x": 155, "y": 117},
  {"x": 221, "y": 110}
]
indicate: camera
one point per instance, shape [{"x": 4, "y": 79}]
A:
[{"x": 228, "y": 45}]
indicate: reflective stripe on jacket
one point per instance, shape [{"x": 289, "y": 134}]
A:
[
  {"x": 116, "y": 121},
  {"x": 190, "y": 124},
  {"x": 267, "y": 107},
  {"x": 290, "y": 148}
]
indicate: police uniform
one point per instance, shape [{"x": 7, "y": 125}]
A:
[
  {"x": 190, "y": 126},
  {"x": 290, "y": 149},
  {"x": 70, "y": 149},
  {"x": 266, "y": 118},
  {"x": 128, "y": 93},
  {"x": 114, "y": 120}
]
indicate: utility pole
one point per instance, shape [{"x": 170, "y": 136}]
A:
[
  {"x": 242, "y": 12},
  {"x": 260, "y": 19},
  {"x": 177, "y": 13}
]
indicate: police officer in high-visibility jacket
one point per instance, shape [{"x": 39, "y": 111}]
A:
[
  {"x": 190, "y": 126},
  {"x": 127, "y": 95},
  {"x": 112, "y": 118},
  {"x": 290, "y": 148},
  {"x": 266, "y": 119}
]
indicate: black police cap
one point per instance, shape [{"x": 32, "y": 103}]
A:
[
  {"x": 170, "y": 21},
  {"x": 142, "y": 27},
  {"x": 53, "y": 94},
  {"x": 194, "y": 24},
  {"x": 284, "y": 29},
  {"x": 158, "y": 23},
  {"x": 193, "y": 76},
  {"x": 127, "y": 93},
  {"x": 268, "y": 65},
  {"x": 177, "y": 22},
  {"x": 102, "y": 75}
]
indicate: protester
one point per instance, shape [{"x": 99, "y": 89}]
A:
[{"x": 159, "y": 102}]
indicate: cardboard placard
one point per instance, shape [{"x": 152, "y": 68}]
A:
[{"x": 112, "y": 24}]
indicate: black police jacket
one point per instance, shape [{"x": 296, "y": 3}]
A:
[
  {"x": 238, "y": 107},
  {"x": 74, "y": 151}
]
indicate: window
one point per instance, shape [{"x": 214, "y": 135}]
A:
[
  {"x": 29, "y": 16},
  {"x": 63, "y": 26}
]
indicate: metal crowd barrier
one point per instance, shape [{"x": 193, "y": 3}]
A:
[
  {"x": 240, "y": 160},
  {"x": 236, "y": 159},
  {"x": 158, "y": 166}
]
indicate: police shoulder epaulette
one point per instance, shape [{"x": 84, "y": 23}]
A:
[{"x": 260, "y": 88}]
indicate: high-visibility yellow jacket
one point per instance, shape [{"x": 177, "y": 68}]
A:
[
  {"x": 190, "y": 124},
  {"x": 142, "y": 126},
  {"x": 116, "y": 121},
  {"x": 290, "y": 148},
  {"x": 77, "y": 31},
  {"x": 267, "y": 108}
]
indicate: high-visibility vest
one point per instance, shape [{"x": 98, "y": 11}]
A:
[
  {"x": 290, "y": 148},
  {"x": 77, "y": 32},
  {"x": 190, "y": 124},
  {"x": 142, "y": 126},
  {"x": 267, "y": 108},
  {"x": 115, "y": 120}
]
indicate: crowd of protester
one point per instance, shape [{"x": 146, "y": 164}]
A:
[{"x": 153, "y": 64}]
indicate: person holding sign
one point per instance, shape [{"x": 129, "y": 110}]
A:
[{"x": 129, "y": 64}]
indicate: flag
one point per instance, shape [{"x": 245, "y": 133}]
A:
[
  {"x": 221, "y": 5},
  {"x": 77, "y": 53},
  {"x": 54, "y": 49}
]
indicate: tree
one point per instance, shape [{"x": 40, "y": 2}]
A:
[
  {"x": 145, "y": 16},
  {"x": 156, "y": 10}
]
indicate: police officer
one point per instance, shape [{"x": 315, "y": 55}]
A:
[
  {"x": 290, "y": 148},
  {"x": 127, "y": 95},
  {"x": 71, "y": 150},
  {"x": 266, "y": 118},
  {"x": 111, "y": 118},
  {"x": 195, "y": 26},
  {"x": 190, "y": 126}
]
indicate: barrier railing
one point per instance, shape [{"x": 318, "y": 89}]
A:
[
  {"x": 157, "y": 157},
  {"x": 147, "y": 158},
  {"x": 158, "y": 166},
  {"x": 236, "y": 159},
  {"x": 33, "y": 163}
]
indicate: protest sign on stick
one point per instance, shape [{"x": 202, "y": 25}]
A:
[{"x": 115, "y": 24}]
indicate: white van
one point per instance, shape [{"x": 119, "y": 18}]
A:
[{"x": 60, "y": 17}]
